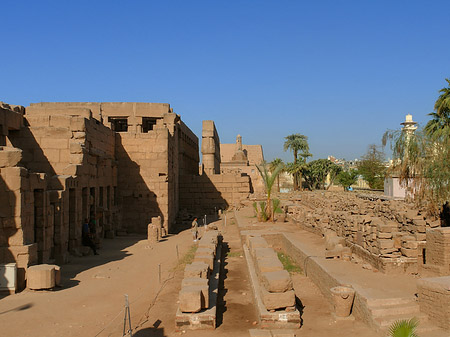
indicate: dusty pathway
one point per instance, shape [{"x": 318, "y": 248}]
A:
[{"x": 91, "y": 300}]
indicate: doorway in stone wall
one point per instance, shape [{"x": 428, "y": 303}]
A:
[
  {"x": 39, "y": 222},
  {"x": 72, "y": 219}
]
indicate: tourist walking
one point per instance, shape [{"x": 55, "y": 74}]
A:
[{"x": 194, "y": 229}]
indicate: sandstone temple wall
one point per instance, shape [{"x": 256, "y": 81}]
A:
[{"x": 116, "y": 164}]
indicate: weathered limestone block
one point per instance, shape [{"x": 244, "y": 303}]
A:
[
  {"x": 198, "y": 282},
  {"x": 261, "y": 253},
  {"x": 385, "y": 244},
  {"x": 10, "y": 156},
  {"x": 273, "y": 301},
  {"x": 191, "y": 299},
  {"x": 196, "y": 269},
  {"x": 409, "y": 252},
  {"x": 207, "y": 258},
  {"x": 256, "y": 242},
  {"x": 268, "y": 265},
  {"x": 41, "y": 276},
  {"x": 276, "y": 281},
  {"x": 152, "y": 234}
]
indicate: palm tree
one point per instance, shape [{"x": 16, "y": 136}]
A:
[
  {"x": 273, "y": 165},
  {"x": 443, "y": 102},
  {"x": 404, "y": 328},
  {"x": 269, "y": 179},
  {"x": 299, "y": 145},
  {"x": 438, "y": 128}
]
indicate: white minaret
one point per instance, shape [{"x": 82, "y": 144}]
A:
[{"x": 409, "y": 126}]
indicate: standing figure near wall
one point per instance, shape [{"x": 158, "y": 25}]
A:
[
  {"x": 87, "y": 240},
  {"x": 195, "y": 229}
]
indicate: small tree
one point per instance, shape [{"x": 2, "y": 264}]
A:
[
  {"x": 269, "y": 180},
  {"x": 372, "y": 167},
  {"x": 347, "y": 178}
]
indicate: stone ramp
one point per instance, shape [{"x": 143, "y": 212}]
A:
[{"x": 380, "y": 299}]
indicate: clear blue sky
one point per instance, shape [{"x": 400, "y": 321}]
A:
[{"x": 340, "y": 72}]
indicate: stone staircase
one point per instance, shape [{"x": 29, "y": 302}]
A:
[{"x": 384, "y": 312}]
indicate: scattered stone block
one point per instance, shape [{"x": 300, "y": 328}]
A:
[
  {"x": 198, "y": 282},
  {"x": 277, "y": 281},
  {"x": 273, "y": 301},
  {"x": 41, "y": 276},
  {"x": 191, "y": 299},
  {"x": 196, "y": 269}
]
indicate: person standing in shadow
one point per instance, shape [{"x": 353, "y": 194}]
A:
[{"x": 87, "y": 240}]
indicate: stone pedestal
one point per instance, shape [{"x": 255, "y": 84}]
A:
[
  {"x": 343, "y": 300},
  {"x": 41, "y": 276}
]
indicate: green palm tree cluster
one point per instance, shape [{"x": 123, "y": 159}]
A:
[{"x": 298, "y": 144}]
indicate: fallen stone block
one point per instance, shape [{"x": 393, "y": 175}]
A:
[
  {"x": 198, "y": 282},
  {"x": 196, "y": 269},
  {"x": 267, "y": 265},
  {"x": 273, "y": 301},
  {"x": 277, "y": 281},
  {"x": 191, "y": 299},
  {"x": 41, "y": 276}
]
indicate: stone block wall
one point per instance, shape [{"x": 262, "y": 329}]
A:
[
  {"x": 437, "y": 250},
  {"x": 387, "y": 234},
  {"x": 212, "y": 192}
]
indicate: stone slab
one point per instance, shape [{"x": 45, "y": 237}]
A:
[{"x": 276, "y": 281}]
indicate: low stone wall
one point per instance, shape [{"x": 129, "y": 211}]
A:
[
  {"x": 386, "y": 234},
  {"x": 434, "y": 300}
]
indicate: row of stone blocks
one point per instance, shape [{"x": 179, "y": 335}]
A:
[
  {"x": 272, "y": 286},
  {"x": 199, "y": 288},
  {"x": 276, "y": 284}
]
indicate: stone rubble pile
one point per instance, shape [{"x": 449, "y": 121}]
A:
[{"x": 387, "y": 229}]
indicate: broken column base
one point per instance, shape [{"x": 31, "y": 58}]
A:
[
  {"x": 206, "y": 318},
  {"x": 278, "y": 319}
]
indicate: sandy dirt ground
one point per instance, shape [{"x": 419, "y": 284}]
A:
[{"x": 90, "y": 301}]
